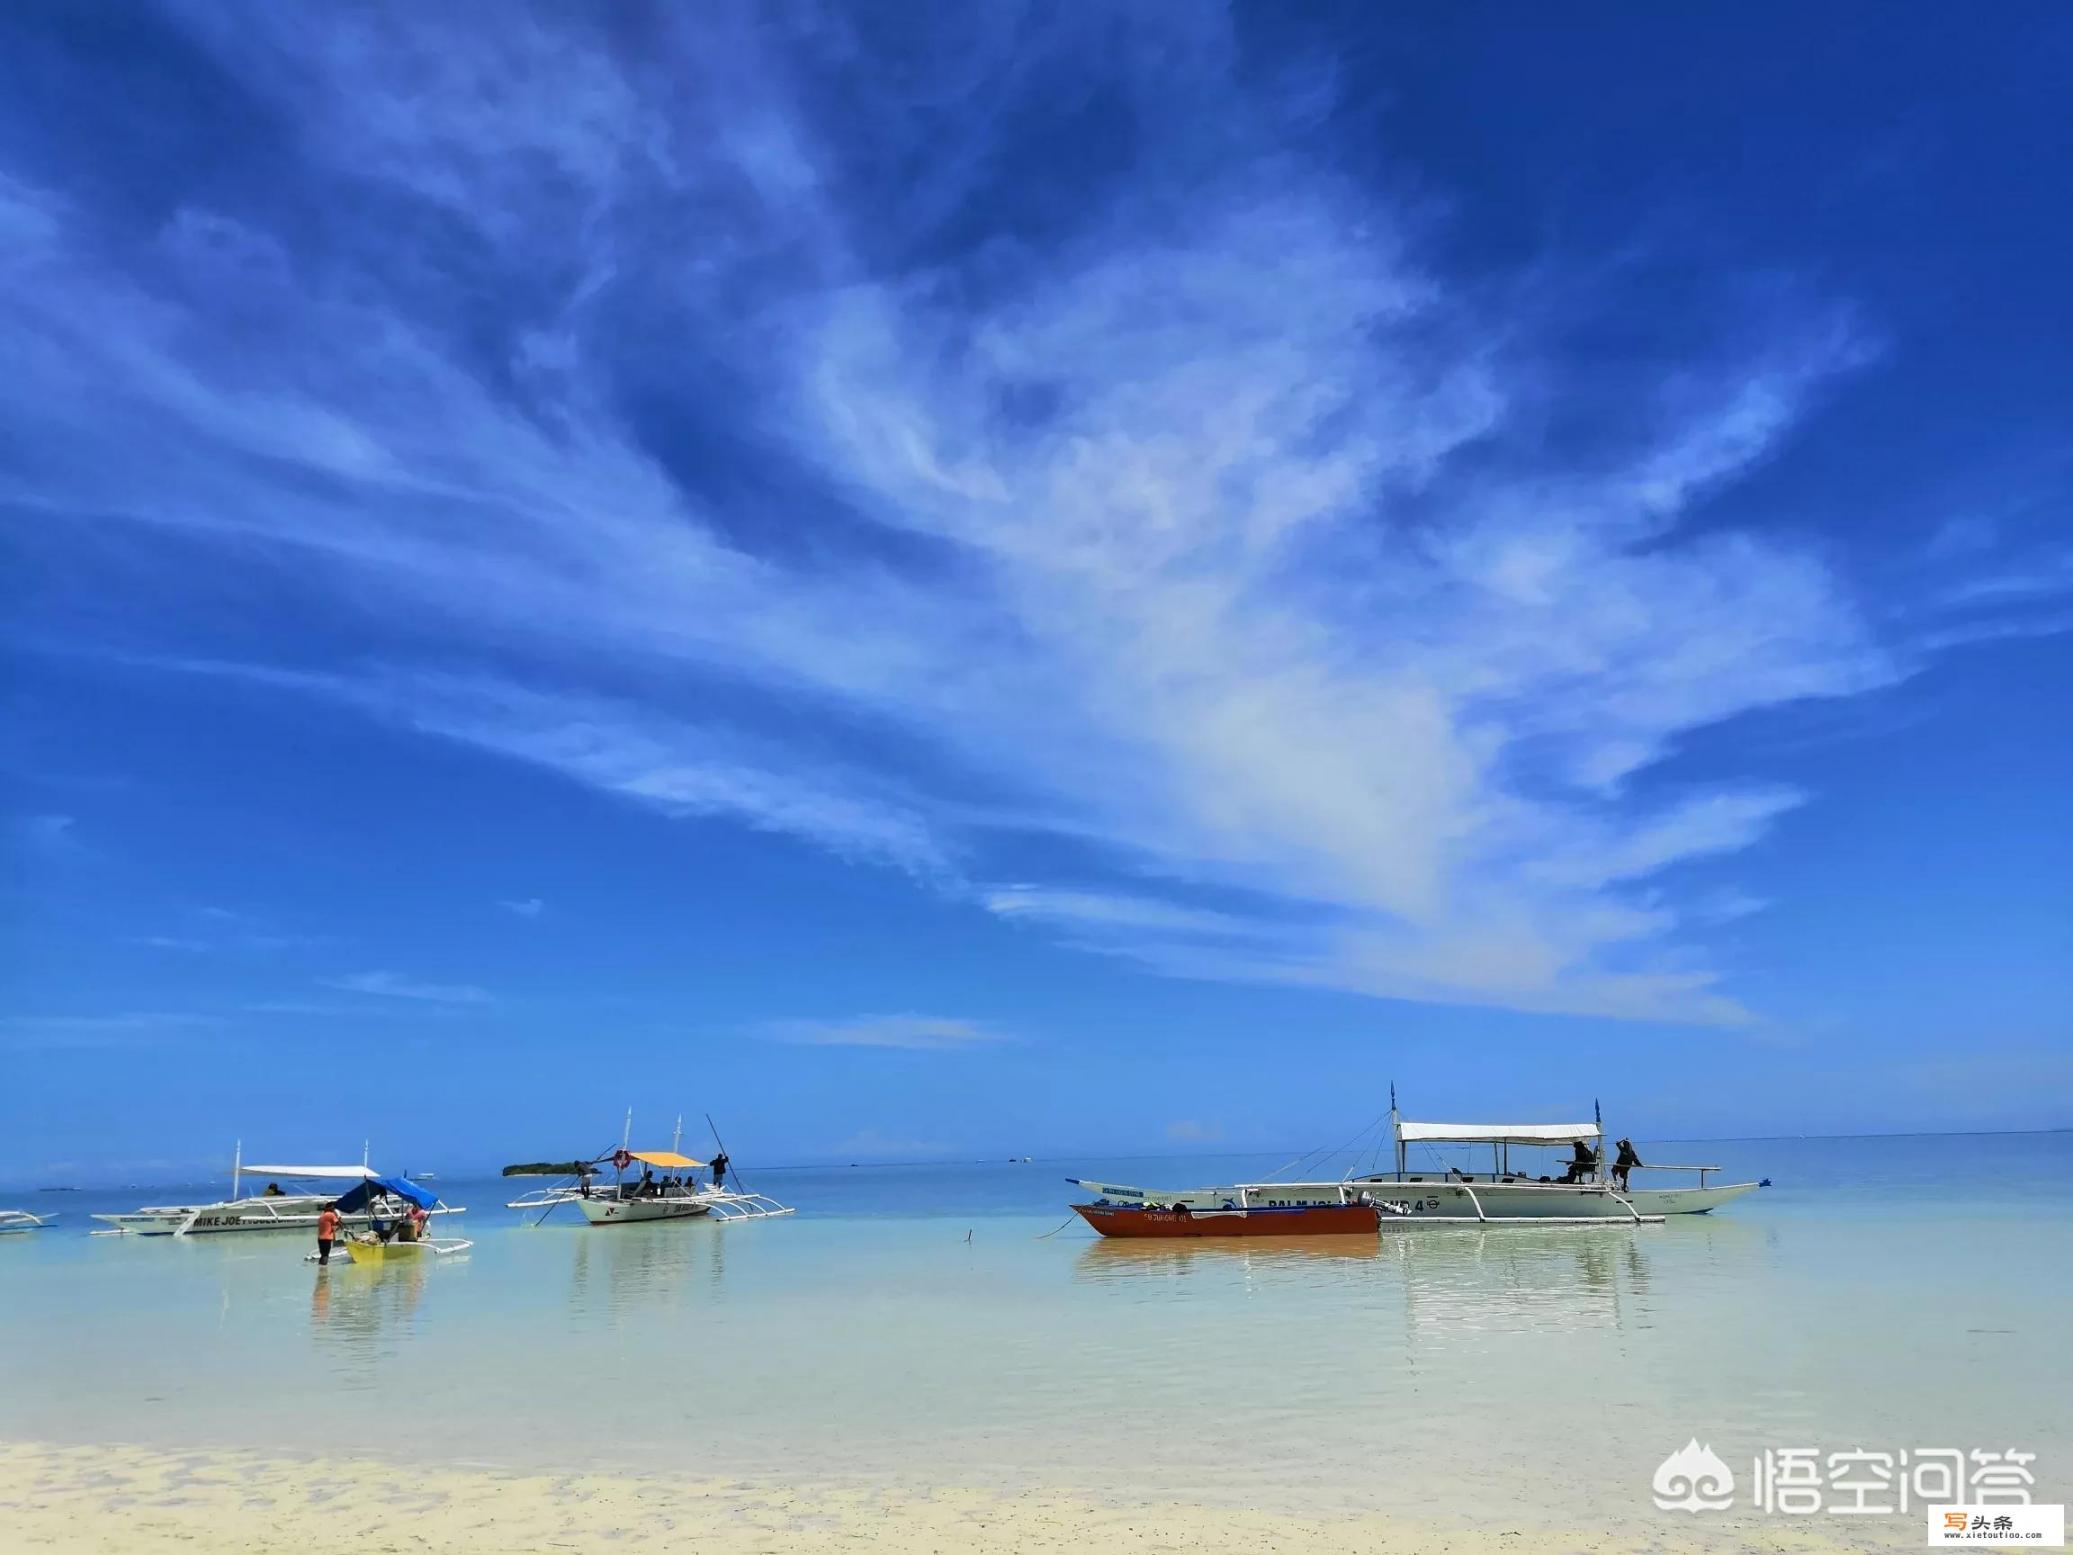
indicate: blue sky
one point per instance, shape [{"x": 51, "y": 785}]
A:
[{"x": 986, "y": 579}]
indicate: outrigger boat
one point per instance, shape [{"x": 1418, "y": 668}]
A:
[
  {"x": 676, "y": 1195},
  {"x": 369, "y": 1249},
  {"x": 396, "y": 1239},
  {"x": 274, "y": 1208},
  {"x": 1247, "y": 1210},
  {"x": 1441, "y": 1195},
  {"x": 22, "y": 1220}
]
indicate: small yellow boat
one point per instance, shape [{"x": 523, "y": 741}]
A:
[{"x": 374, "y": 1251}]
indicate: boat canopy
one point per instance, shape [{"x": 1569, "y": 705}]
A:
[
  {"x": 353, "y": 1200},
  {"x": 327, "y": 1173},
  {"x": 1496, "y": 1133},
  {"x": 666, "y": 1158}
]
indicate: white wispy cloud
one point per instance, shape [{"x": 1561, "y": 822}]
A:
[
  {"x": 305, "y": 1007},
  {"x": 917, "y": 1033},
  {"x": 75, "y": 1031},
  {"x": 232, "y": 938},
  {"x": 642, "y": 753},
  {"x": 1106, "y": 911},
  {"x": 1215, "y": 534},
  {"x": 528, "y": 907},
  {"x": 49, "y": 838},
  {"x": 390, "y": 985}
]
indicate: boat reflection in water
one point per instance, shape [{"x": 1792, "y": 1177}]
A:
[
  {"x": 366, "y": 1313},
  {"x": 1120, "y": 1260},
  {"x": 1556, "y": 1279},
  {"x": 1453, "y": 1282},
  {"x": 647, "y": 1274}
]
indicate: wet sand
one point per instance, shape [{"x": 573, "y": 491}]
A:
[{"x": 138, "y": 1501}]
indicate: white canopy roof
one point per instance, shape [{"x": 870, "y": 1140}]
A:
[
  {"x": 341, "y": 1173},
  {"x": 1495, "y": 1133}
]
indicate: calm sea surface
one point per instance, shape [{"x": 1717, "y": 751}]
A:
[{"x": 915, "y": 1324}]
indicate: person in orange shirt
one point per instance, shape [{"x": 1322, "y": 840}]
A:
[{"x": 327, "y": 1231}]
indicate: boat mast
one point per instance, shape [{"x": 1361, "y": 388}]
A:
[
  {"x": 1396, "y": 1132},
  {"x": 237, "y": 1167},
  {"x": 1598, "y": 1117}
]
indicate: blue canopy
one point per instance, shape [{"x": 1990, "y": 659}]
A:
[{"x": 360, "y": 1195}]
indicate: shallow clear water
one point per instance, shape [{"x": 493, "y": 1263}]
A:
[{"x": 914, "y": 1324}]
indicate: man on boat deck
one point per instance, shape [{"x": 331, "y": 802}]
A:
[
  {"x": 1583, "y": 1162},
  {"x": 720, "y": 1170},
  {"x": 1624, "y": 1163},
  {"x": 327, "y": 1231}
]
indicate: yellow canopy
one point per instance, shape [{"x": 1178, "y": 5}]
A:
[{"x": 665, "y": 1158}]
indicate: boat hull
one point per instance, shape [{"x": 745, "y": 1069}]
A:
[
  {"x": 379, "y": 1253},
  {"x": 1687, "y": 1201},
  {"x": 1416, "y": 1198},
  {"x": 1132, "y": 1221},
  {"x": 241, "y": 1215},
  {"x": 1498, "y": 1201},
  {"x": 1521, "y": 1200},
  {"x": 602, "y": 1211}
]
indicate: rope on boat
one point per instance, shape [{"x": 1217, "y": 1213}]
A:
[
  {"x": 1352, "y": 1144},
  {"x": 1069, "y": 1219}
]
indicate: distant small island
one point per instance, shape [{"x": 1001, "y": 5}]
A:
[{"x": 547, "y": 1169}]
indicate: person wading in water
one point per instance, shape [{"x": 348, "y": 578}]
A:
[{"x": 327, "y": 1231}]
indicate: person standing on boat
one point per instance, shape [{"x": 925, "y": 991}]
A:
[
  {"x": 1624, "y": 1163},
  {"x": 327, "y": 1231},
  {"x": 720, "y": 1170}
]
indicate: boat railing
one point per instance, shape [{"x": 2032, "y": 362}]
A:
[
  {"x": 744, "y": 1206},
  {"x": 545, "y": 1200},
  {"x": 1664, "y": 1166}
]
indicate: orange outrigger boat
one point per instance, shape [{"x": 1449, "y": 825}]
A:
[{"x": 1350, "y": 1216}]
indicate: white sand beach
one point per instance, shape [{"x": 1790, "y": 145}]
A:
[{"x": 122, "y": 1500}]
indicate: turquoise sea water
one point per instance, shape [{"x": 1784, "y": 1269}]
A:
[{"x": 915, "y": 1325}]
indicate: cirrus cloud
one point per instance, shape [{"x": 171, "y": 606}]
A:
[
  {"x": 1210, "y": 535},
  {"x": 914, "y": 1033},
  {"x": 390, "y": 985}
]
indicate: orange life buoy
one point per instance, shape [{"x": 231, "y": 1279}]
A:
[{"x": 622, "y": 1159}]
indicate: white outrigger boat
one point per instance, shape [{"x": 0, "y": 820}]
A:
[
  {"x": 22, "y": 1220},
  {"x": 676, "y": 1195},
  {"x": 274, "y": 1208},
  {"x": 1451, "y": 1195}
]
